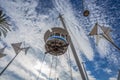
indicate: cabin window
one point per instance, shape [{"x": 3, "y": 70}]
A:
[
  {"x": 66, "y": 36},
  {"x": 51, "y": 35},
  {"x": 57, "y": 34},
  {"x": 62, "y": 35}
]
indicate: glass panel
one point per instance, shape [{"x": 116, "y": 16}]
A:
[
  {"x": 62, "y": 35},
  {"x": 51, "y": 35},
  {"x": 57, "y": 34}
]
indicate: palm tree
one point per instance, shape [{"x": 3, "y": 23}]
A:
[{"x": 4, "y": 26}]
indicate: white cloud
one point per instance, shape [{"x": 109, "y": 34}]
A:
[
  {"x": 91, "y": 77},
  {"x": 112, "y": 78},
  {"x": 103, "y": 47},
  {"x": 108, "y": 70}
]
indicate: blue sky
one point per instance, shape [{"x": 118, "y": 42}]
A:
[{"x": 30, "y": 19}]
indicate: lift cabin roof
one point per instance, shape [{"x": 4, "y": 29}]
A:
[{"x": 56, "y": 30}]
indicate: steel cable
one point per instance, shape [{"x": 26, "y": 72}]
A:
[
  {"x": 51, "y": 68},
  {"x": 41, "y": 66}
]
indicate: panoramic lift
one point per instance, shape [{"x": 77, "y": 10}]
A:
[{"x": 57, "y": 41}]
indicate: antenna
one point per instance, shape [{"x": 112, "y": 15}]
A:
[{"x": 118, "y": 78}]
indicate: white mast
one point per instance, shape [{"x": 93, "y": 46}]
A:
[
  {"x": 118, "y": 75},
  {"x": 74, "y": 51}
]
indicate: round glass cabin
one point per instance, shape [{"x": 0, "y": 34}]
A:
[{"x": 56, "y": 41}]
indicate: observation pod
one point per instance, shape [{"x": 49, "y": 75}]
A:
[
  {"x": 86, "y": 13},
  {"x": 56, "y": 41}
]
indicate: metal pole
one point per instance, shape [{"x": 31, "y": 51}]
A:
[
  {"x": 8, "y": 65},
  {"x": 74, "y": 51},
  {"x": 111, "y": 42},
  {"x": 118, "y": 75},
  {"x": 51, "y": 68},
  {"x": 85, "y": 71},
  {"x": 104, "y": 35}
]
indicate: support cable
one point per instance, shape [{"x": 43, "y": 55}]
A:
[
  {"x": 57, "y": 78},
  {"x": 51, "y": 68},
  {"x": 41, "y": 65},
  {"x": 108, "y": 39},
  {"x": 56, "y": 67},
  {"x": 69, "y": 61},
  {"x": 67, "y": 57}
]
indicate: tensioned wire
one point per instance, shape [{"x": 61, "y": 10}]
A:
[
  {"x": 51, "y": 67},
  {"x": 69, "y": 63},
  {"x": 41, "y": 66}
]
